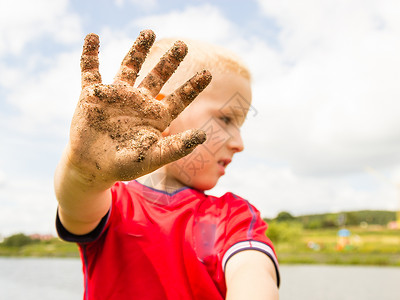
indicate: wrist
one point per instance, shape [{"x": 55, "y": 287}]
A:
[
  {"x": 81, "y": 177},
  {"x": 83, "y": 200}
]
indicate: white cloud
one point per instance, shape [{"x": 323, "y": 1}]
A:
[
  {"x": 113, "y": 47},
  {"x": 2, "y": 178},
  {"x": 119, "y": 2},
  {"x": 275, "y": 189},
  {"x": 46, "y": 98},
  {"x": 27, "y": 205},
  {"x": 39, "y": 88},
  {"x": 24, "y": 21},
  {"x": 395, "y": 177},
  {"x": 334, "y": 106},
  {"x": 188, "y": 23},
  {"x": 198, "y": 22},
  {"x": 146, "y": 5}
]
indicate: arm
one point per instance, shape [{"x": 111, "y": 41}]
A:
[
  {"x": 251, "y": 274},
  {"x": 82, "y": 202},
  {"x": 116, "y": 130}
]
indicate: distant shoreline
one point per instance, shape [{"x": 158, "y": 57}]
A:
[{"x": 369, "y": 248}]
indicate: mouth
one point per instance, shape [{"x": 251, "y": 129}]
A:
[{"x": 224, "y": 162}]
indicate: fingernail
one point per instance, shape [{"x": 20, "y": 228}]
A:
[{"x": 146, "y": 39}]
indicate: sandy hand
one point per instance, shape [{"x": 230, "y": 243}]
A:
[{"x": 116, "y": 129}]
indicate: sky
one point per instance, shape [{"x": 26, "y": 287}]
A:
[{"x": 323, "y": 132}]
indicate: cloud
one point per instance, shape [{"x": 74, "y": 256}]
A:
[
  {"x": 334, "y": 105},
  {"x": 23, "y": 22},
  {"x": 146, "y": 5},
  {"x": 2, "y": 178},
  {"x": 27, "y": 206},
  {"x": 186, "y": 23},
  {"x": 45, "y": 100},
  {"x": 37, "y": 88},
  {"x": 275, "y": 189},
  {"x": 203, "y": 22}
]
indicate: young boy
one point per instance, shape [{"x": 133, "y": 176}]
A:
[{"x": 160, "y": 236}]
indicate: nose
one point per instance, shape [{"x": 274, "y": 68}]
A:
[{"x": 235, "y": 142}]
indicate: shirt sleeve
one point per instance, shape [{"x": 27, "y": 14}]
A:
[
  {"x": 65, "y": 235},
  {"x": 246, "y": 230},
  {"x": 92, "y": 236}
]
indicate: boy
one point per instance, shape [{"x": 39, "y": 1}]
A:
[{"x": 161, "y": 236}]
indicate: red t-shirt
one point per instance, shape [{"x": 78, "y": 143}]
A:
[{"x": 155, "y": 245}]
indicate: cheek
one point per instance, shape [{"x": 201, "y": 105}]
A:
[
  {"x": 186, "y": 120},
  {"x": 218, "y": 135},
  {"x": 195, "y": 163},
  {"x": 195, "y": 170}
]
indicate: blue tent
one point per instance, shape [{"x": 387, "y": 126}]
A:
[{"x": 344, "y": 232}]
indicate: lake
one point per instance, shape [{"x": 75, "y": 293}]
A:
[{"x": 61, "y": 279}]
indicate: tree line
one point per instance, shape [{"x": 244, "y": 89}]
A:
[{"x": 336, "y": 220}]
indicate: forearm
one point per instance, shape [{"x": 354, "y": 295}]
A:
[{"x": 82, "y": 199}]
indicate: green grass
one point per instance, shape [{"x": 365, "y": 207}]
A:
[
  {"x": 370, "y": 246},
  {"x": 52, "y": 248},
  {"x": 374, "y": 246}
]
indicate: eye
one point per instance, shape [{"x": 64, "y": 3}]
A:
[{"x": 227, "y": 120}]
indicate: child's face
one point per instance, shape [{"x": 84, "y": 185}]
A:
[{"x": 220, "y": 111}]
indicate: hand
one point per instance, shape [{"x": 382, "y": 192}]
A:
[{"x": 116, "y": 131}]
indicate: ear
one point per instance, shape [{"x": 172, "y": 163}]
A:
[{"x": 166, "y": 132}]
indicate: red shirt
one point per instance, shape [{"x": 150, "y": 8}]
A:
[{"x": 155, "y": 245}]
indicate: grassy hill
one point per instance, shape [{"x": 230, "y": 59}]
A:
[
  {"x": 317, "y": 239},
  {"x": 332, "y": 220}
]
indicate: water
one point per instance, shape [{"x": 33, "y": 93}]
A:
[
  {"x": 40, "y": 278},
  {"x": 340, "y": 283},
  {"x": 61, "y": 279}
]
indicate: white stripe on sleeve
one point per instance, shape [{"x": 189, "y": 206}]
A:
[{"x": 251, "y": 245}]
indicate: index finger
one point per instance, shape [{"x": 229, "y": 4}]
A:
[{"x": 90, "y": 60}]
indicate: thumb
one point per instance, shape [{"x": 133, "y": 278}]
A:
[{"x": 174, "y": 147}]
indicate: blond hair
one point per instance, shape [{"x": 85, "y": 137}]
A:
[{"x": 201, "y": 55}]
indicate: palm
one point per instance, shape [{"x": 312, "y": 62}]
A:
[{"x": 116, "y": 129}]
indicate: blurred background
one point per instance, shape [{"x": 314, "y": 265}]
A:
[
  {"x": 323, "y": 134},
  {"x": 322, "y": 138}
]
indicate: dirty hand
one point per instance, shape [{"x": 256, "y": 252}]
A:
[{"x": 116, "y": 131}]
